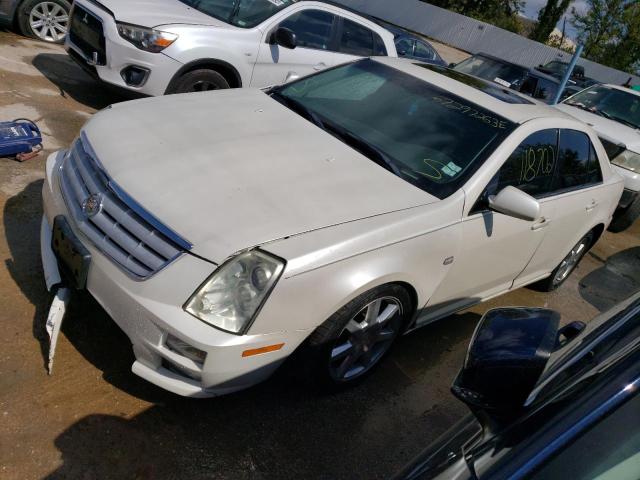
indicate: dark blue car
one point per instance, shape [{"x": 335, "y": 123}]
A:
[
  {"x": 46, "y": 20},
  {"x": 547, "y": 403}
]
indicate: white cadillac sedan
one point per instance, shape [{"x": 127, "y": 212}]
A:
[{"x": 222, "y": 231}]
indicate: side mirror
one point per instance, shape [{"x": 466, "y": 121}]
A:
[
  {"x": 451, "y": 65},
  {"x": 284, "y": 37},
  {"x": 515, "y": 203},
  {"x": 508, "y": 353}
]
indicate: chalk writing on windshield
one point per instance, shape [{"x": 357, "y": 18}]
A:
[{"x": 470, "y": 111}]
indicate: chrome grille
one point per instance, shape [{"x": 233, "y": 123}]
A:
[{"x": 117, "y": 226}]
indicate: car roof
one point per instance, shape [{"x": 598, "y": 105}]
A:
[{"x": 516, "y": 112}]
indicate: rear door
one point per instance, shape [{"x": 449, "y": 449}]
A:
[
  {"x": 314, "y": 52},
  {"x": 577, "y": 199},
  {"x": 355, "y": 40}
]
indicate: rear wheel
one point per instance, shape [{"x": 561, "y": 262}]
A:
[
  {"x": 567, "y": 265},
  {"x": 202, "y": 80},
  {"x": 625, "y": 218},
  {"x": 44, "y": 20},
  {"x": 352, "y": 342}
]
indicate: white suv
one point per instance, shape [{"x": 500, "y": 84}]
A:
[
  {"x": 329, "y": 214},
  {"x": 183, "y": 46}
]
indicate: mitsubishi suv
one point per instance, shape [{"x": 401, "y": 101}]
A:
[{"x": 177, "y": 46}]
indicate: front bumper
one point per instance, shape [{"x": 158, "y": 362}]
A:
[
  {"x": 121, "y": 55},
  {"x": 148, "y": 311}
]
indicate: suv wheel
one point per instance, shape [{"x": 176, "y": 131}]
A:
[
  {"x": 352, "y": 342},
  {"x": 567, "y": 265},
  {"x": 44, "y": 20},
  {"x": 202, "y": 80}
]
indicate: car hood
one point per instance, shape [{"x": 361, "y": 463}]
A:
[
  {"x": 608, "y": 129},
  {"x": 153, "y": 13},
  {"x": 233, "y": 169}
]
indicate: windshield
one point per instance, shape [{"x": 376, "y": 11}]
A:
[
  {"x": 611, "y": 103},
  {"x": 241, "y": 13},
  {"x": 489, "y": 69},
  {"x": 425, "y": 135}
]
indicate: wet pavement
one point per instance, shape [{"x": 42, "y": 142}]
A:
[{"x": 94, "y": 419}]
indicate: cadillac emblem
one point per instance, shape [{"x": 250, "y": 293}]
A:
[{"x": 92, "y": 205}]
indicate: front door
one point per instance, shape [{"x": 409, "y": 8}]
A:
[
  {"x": 314, "y": 34},
  {"x": 496, "y": 248}
]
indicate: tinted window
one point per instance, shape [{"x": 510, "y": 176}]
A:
[
  {"x": 546, "y": 90},
  {"x": 425, "y": 135},
  {"x": 424, "y": 51},
  {"x": 574, "y": 158},
  {"x": 312, "y": 28},
  {"x": 530, "y": 167},
  {"x": 595, "y": 172},
  {"x": 619, "y": 105},
  {"x": 608, "y": 451},
  {"x": 356, "y": 39},
  {"x": 404, "y": 46},
  {"x": 378, "y": 46},
  {"x": 241, "y": 13}
]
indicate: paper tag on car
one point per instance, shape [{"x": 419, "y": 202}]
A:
[
  {"x": 502, "y": 82},
  {"x": 451, "y": 169},
  {"x": 277, "y": 3}
]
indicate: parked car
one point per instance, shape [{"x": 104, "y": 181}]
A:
[
  {"x": 45, "y": 20},
  {"x": 528, "y": 81},
  {"x": 192, "y": 45},
  {"x": 614, "y": 112},
  {"x": 415, "y": 47},
  {"x": 546, "y": 403},
  {"x": 558, "y": 68},
  {"x": 331, "y": 214}
]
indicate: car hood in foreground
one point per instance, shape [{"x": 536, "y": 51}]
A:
[
  {"x": 153, "y": 13},
  {"x": 608, "y": 129},
  {"x": 233, "y": 169}
]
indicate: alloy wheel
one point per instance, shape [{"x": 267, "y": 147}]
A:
[
  {"x": 365, "y": 339},
  {"x": 571, "y": 260},
  {"x": 49, "y": 21}
]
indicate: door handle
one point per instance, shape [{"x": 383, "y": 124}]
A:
[
  {"x": 320, "y": 66},
  {"x": 591, "y": 206},
  {"x": 542, "y": 223}
]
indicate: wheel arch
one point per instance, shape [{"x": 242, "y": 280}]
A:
[
  {"x": 228, "y": 71},
  {"x": 598, "y": 230}
]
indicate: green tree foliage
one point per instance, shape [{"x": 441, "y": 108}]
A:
[
  {"x": 548, "y": 17},
  {"x": 502, "y": 13},
  {"x": 610, "y": 33}
]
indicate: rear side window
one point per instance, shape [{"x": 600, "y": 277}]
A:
[
  {"x": 546, "y": 90},
  {"x": 378, "y": 46},
  {"x": 530, "y": 167},
  {"x": 356, "y": 39},
  {"x": 576, "y": 161},
  {"x": 424, "y": 51},
  {"x": 312, "y": 28}
]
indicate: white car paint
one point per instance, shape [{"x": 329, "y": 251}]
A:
[
  {"x": 202, "y": 38},
  {"x": 259, "y": 175}
]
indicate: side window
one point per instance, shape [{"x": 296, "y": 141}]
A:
[
  {"x": 608, "y": 451},
  {"x": 356, "y": 39},
  {"x": 425, "y": 51},
  {"x": 575, "y": 156},
  {"x": 312, "y": 28},
  {"x": 595, "y": 172},
  {"x": 378, "y": 46},
  {"x": 530, "y": 168},
  {"x": 404, "y": 46},
  {"x": 546, "y": 90},
  {"x": 529, "y": 86}
]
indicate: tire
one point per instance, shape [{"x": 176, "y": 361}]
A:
[
  {"x": 346, "y": 348},
  {"x": 567, "y": 265},
  {"x": 623, "y": 219},
  {"x": 46, "y": 20},
  {"x": 200, "y": 81}
]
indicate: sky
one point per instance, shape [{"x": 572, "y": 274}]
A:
[{"x": 532, "y": 7}]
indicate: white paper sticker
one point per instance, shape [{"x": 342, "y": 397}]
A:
[
  {"x": 451, "y": 169},
  {"x": 277, "y": 3},
  {"x": 502, "y": 82}
]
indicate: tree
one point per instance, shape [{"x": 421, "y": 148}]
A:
[
  {"x": 610, "y": 33},
  {"x": 548, "y": 17}
]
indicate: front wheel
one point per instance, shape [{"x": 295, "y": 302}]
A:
[
  {"x": 45, "y": 20},
  {"x": 352, "y": 342},
  {"x": 202, "y": 80},
  {"x": 567, "y": 265}
]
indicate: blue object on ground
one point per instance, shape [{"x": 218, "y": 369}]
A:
[{"x": 19, "y": 137}]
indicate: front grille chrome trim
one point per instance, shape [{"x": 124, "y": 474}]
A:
[{"x": 136, "y": 241}]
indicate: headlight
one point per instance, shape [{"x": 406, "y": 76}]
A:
[
  {"x": 233, "y": 295},
  {"x": 146, "y": 39},
  {"x": 628, "y": 160}
]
